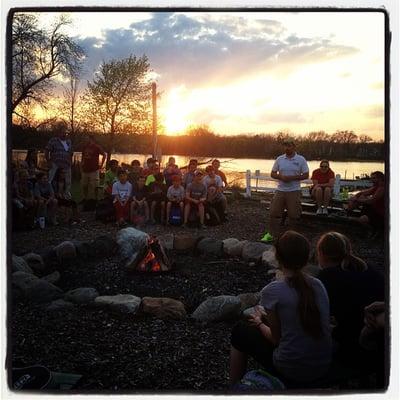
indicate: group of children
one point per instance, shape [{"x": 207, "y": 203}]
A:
[{"x": 141, "y": 195}]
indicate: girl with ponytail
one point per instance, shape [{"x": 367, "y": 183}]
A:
[
  {"x": 289, "y": 334},
  {"x": 351, "y": 286}
]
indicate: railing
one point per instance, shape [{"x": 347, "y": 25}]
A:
[{"x": 305, "y": 184}]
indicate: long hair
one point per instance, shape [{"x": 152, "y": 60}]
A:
[
  {"x": 336, "y": 248},
  {"x": 292, "y": 252}
]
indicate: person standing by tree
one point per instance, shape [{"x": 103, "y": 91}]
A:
[
  {"x": 58, "y": 153},
  {"x": 289, "y": 168},
  {"x": 91, "y": 170}
]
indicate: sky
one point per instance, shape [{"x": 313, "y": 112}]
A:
[{"x": 258, "y": 72}]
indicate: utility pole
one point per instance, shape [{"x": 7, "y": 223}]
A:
[{"x": 154, "y": 101}]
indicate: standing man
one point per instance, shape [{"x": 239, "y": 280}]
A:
[
  {"x": 58, "y": 154},
  {"x": 289, "y": 168},
  {"x": 90, "y": 170}
]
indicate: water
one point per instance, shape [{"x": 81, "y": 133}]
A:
[{"x": 235, "y": 168}]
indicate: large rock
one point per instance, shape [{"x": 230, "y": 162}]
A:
[
  {"x": 130, "y": 242},
  {"x": 185, "y": 242},
  {"x": 210, "y": 246},
  {"x": 83, "y": 249},
  {"x": 167, "y": 241},
  {"x": 60, "y": 305},
  {"x": 35, "y": 289},
  {"x": 103, "y": 246},
  {"x": 84, "y": 295},
  {"x": 48, "y": 254},
  {"x": 35, "y": 261},
  {"x": 253, "y": 251},
  {"x": 249, "y": 311},
  {"x": 120, "y": 304},
  {"x": 163, "y": 307},
  {"x": 218, "y": 308},
  {"x": 235, "y": 250},
  {"x": 19, "y": 264},
  {"x": 53, "y": 278},
  {"x": 268, "y": 259},
  {"x": 228, "y": 244},
  {"x": 248, "y": 300},
  {"x": 65, "y": 251}
]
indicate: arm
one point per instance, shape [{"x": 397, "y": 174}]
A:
[
  {"x": 103, "y": 159},
  {"x": 379, "y": 194},
  {"x": 271, "y": 331}
]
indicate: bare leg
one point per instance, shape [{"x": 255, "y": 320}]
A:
[
  {"x": 237, "y": 365},
  {"x": 187, "y": 211},
  {"x": 169, "y": 204},
  {"x": 152, "y": 210},
  {"x": 327, "y": 196},
  {"x": 318, "y": 196},
  {"x": 201, "y": 213}
]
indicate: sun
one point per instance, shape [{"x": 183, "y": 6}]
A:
[
  {"x": 174, "y": 122},
  {"x": 175, "y": 112}
]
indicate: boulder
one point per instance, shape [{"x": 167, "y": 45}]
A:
[
  {"x": 163, "y": 307},
  {"x": 185, "y": 242},
  {"x": 120, "y": 304},
  {"x": 53, "y": 278},
  {"x": 103, "y": 246},
  {"x": 65, "y": 251},
  {"x": 210, "y": 246},
  {"x": 35, "y": 261},
  {"x": 130, "y": 242},
  {"x": 167, "y": 241},
  {"x": 35, "y": 289},
  {"x": 48, "y": 254},
  {"x": 82, "y": 295},
  {"x": 228, "y": 244},
  {"x": 60, "y": 305},
  {"x": 248, "y": 312},
  {"x": 248, "y": 300},
  {"x": 235, "y": 250},
  {"x": 19, "y": 264},
  {"x": 83, "y": 249},
  {"x": 268, "y": 259},
  {"x": 217, "y": 308},
  {"x": 253, "y": 251}
]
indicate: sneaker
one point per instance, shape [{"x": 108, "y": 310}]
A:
[
  {"x": 325, "y": 211},
  {"x": 319, "y": 211}
]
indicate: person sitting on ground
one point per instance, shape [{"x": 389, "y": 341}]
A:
[
  {"x": 196, "y": 195},
  {"x": 216, "y": 164},
  {"x": 110, "y": 177},
  {"x": 323, "y": 180},
  {"x": 139, "y": 206},
  {"x": 189, "y": 175},
  {"x": 372, "y": 202},
  {"x": 25, "y": 203},
  {"x": 31, "y": 164},
  {"x": 289, "y": 333},
  {"x": 152, "y": 177},
  {"x": 149, "y": 169},
  {"x": 64, "y": 197},
  {"x": 47, "y": 203},
  {"x": 212, "y": 179},
  {"x": 170, "y": 171},
  {"x": 351, "y": 286},
  {"x": 213, "y": 214},
  {"x": 135, "y": 171},
  {"x": 122, "y": 192},
  {"x": 157, "y": 197},
  {"x": 175, "y": 195}
]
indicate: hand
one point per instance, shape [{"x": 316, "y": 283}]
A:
[
  {"x": 257, "y": 318},
  {"x": 374, "y": 315}
]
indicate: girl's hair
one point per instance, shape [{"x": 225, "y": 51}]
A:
[
  {"x": 292, "y": 252},
  {"x": 324, "y": 162},
  {"x": 336, "y": 248}
]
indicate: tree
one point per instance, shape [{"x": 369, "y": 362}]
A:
[
  {"x": 199, "y": 131},
  {"x": 365, "y": 139},
  {"x": 38, "y": 56},
  {"x": 345, "y": 137},
  {"x": 119, "y": 94},
  {"x": 69, "y": 104}
]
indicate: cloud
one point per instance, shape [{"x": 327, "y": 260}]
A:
[
  {"x": 377, "y": 85},
  {"x": 192, "y": 49},
  {"x": 374, "y": 111}
]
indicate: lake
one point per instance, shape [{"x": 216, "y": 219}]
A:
[{"x": 236, "y": 168}]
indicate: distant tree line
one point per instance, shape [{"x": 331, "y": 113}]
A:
[{"x": 202, "y": 142}]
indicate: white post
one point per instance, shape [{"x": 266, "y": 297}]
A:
[
  {"x": 248, "y": 183},
  {"x": 336, "y": 186}
]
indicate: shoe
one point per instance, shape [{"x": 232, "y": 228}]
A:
[
  {"x": 319, "y": 211},
  {"x": 202, "y": 226},
  {"x": 325, "y": 211},
  {"x": 267, "y": 238}
]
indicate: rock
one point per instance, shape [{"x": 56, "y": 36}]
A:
[
  {"x": 60, "y": 305},
  {"x": 163, "y": 307},
  {"x": 248, "y": 311},
  {"x": 48, "y": 254},
  {"x": 253, "y": 251},
  {"x": 218, "y": 308},
  {"x": 103, "y": 246},
  {"x": 83, "y": 249},
  {"x": 236, "y": 249},
  {"x": 130, "y": 241},
  {"x": 19, "y": 264},
  {"x": 65, "y": 251},
  {"x": 82, "y": 295},
  {"x": 210, "y": 246},
  {"x": 248, "y": 300},
  {"x": 53, "y": 278},
  {"x": 167, "y": 241},
  {"x": 35, "y": 261},
  {"x": 35, "y": 289},
  {"x": 268, "y": 259},
  {"x": 120, "y": 304},
  {"x": 184, "y": 242},
  {"x": 228, "y": 244},
  {"x": 312, "y": 269}
]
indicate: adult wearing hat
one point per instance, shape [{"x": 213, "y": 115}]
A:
[{"x": 289, "y": 168}]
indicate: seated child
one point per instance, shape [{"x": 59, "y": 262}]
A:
[
  {"x": 25, "y": 204},
  {"x": 47, "y": 203},
  {"x": 214, "y": 213},
  {"x": 110, "y": 177},
  {"x": 219, "y": 199},
  {"x": 139, "y": 205},
  {"x": 170, "y": 171},
  {"x": 196, "y": 194},
  {"x": 157, "y": 195},
  {"x": 122, "y": 192},
  {"x": 175, "y": 196},
  {"x": 135, "y": 171}
]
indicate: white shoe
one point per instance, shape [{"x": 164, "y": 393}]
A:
[
  {"x": 325, "y": 211},
  {"x": 319, "y": 211}
]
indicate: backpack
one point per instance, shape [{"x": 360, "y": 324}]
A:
[
  {"x": 175, "y": 216},
  {"x": 259, "y": 381}
]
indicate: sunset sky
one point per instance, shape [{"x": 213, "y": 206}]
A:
[{"x": 251, "y": 72}]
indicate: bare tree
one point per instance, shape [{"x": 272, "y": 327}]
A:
[
  {"x": 365, "y": 139},
  {"x": 70, "y": 102},
  {"x": 38, "y": 55}
]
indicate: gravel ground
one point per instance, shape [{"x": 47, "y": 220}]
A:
[{"x": 143, "y": 354}]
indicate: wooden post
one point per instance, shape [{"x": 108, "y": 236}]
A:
[
  {"x": 154, "y": 102},
  {"x": 248, "y": 183}
]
